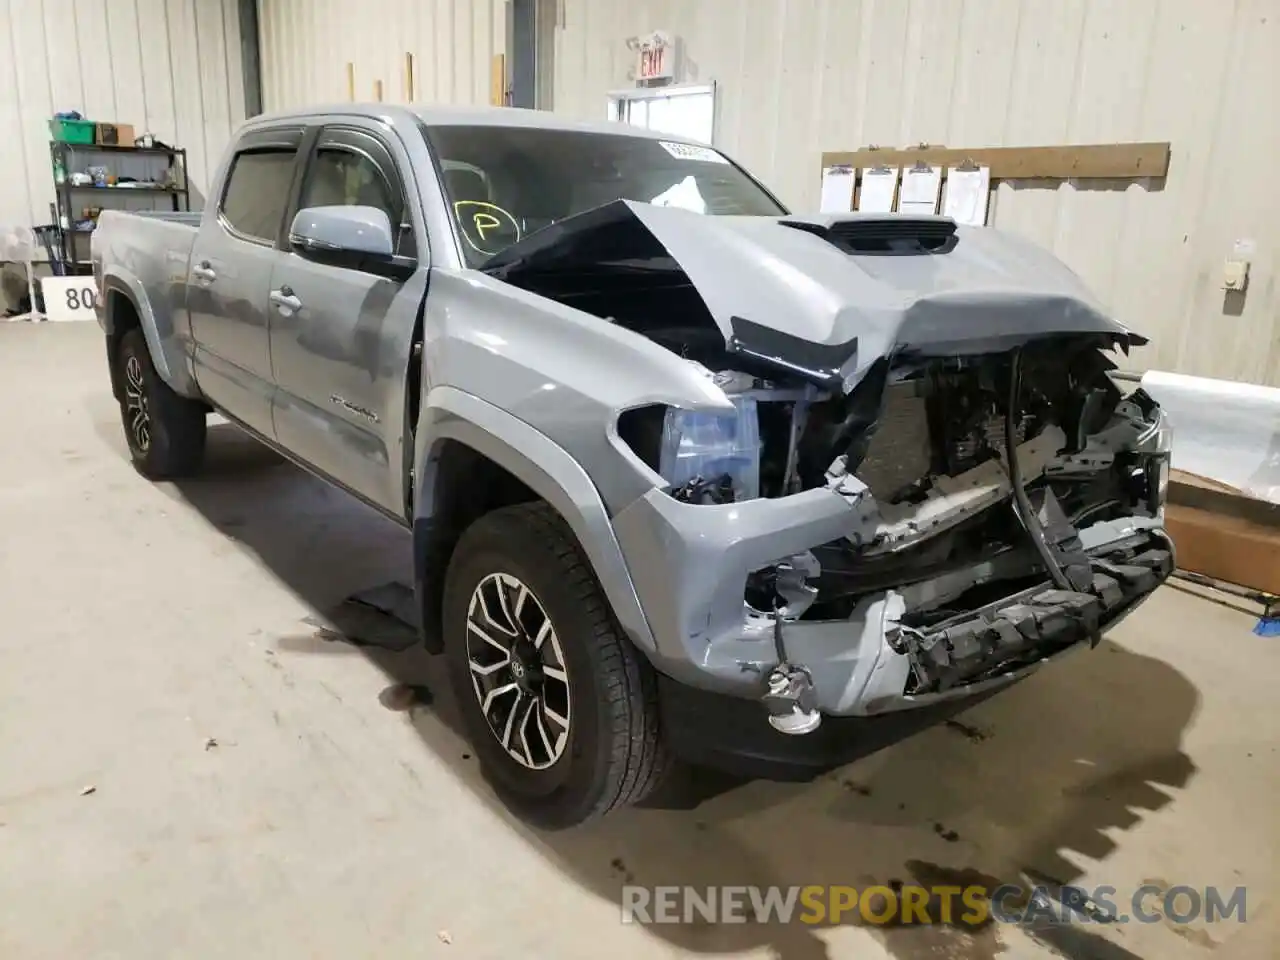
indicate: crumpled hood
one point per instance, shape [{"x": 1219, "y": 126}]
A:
[{"x": 979, "y": 291}]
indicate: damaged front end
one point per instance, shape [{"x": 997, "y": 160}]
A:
[
  {"x": 994, "y": 512},
  {"x": 905, "y": 497}
]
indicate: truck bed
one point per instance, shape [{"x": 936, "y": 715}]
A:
[
  {"x": 144, "y": 238},
  {"x": 191, "y": 218}
]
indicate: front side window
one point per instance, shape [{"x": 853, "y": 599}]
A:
[
  {"x": 503, "y": 183},
  {"x": 257, "y": 190},
  {"x": 340, "y": 176}
]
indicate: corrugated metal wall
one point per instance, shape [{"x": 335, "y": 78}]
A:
[
  {"x": 306, "y": 45},
  {"x": 168, "y": 66},
  {"x": 798, "y": 77}
]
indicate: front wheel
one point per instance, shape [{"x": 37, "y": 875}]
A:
[
  {"x": 560, "y": 708},
  {"x": 165, "y": 432}
]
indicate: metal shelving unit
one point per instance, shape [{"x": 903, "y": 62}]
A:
[{"x": 146, "y": 165}]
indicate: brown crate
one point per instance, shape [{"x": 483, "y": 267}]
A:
[
  {"x": 113, "y": 134},
  {"x": 1234, "y": 549}
]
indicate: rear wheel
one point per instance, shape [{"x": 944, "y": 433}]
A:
[
  {"x": 165, "y": 432},
  {"x": 560, "y": 708}
]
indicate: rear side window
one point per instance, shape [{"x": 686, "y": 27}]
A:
[{"x": 257, "y": 191}]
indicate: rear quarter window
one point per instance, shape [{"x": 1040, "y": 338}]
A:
[{"x": 257, "y": 191}]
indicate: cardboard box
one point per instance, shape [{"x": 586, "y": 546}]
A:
[
  {"x": 1226, "y": 548},
  {"x": 113, "y": 134},
  {"x": 1222, "y": 534}
]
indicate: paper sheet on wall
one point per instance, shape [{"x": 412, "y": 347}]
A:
[
  {"x": 837, "y": 190},
  {"x": 878, "y": 188},
  {"x": 966, "y": 196},
  {"x": 920, "y": 189}
]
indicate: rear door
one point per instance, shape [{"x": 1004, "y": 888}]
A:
[
  {"x": 339, "y": 335},
  {"x": 230, "y": 275}
]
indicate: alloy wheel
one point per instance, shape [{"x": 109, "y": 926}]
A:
[
  {"x": 137, "y": 411},
  {"x": 518, "y": 671}
]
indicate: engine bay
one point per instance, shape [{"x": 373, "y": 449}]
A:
[{"x": 933, "y": 456}]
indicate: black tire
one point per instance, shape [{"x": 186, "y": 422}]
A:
[
  {"x": 165, "y": 432},
  {"x": 613, "y": 754}
]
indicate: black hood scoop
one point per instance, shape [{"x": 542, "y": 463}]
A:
[{"x": 881, "y": 233}]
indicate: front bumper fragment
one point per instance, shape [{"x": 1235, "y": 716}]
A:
[
  {"x": 690, "y": 563},
  {"x": 1022, "y": 629}
]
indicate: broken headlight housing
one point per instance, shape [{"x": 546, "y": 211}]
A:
[
  {"x": 714, "y": 456},
  {"x": 1158, "y": 443},
  {"x": 1158, "y": 437},
  {"x": 1157, "y": 481}
]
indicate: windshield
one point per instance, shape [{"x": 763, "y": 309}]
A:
[{"x": 503, "y": 183}]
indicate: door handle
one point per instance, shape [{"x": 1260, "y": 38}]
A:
[
  {"x": 284, "y": 297},
  {"x": 203, "y": 271}
]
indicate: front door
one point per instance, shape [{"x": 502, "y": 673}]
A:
[
  {"x": 231, "y": 264},
  {"x": 340, "y": 335}
]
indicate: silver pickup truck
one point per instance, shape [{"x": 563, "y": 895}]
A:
[{"x": 688, "y": 477}]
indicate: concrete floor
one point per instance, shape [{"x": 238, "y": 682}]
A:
[{"x": 140, "y": 621}]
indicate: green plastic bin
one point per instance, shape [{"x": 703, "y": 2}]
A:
[{"x": 72, "y": 131}]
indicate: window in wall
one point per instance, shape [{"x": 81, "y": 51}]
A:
[{"x": 687, "y": 112}]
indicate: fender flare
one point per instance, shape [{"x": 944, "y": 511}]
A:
[
  {"x": 166, "y": 351},
  {"x": 546, "y": 469}
]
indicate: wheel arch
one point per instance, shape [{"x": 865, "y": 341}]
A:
[
  {"x": 126, "y": 306},
  {"x": 119, "y": 314},
  {"x": 473, "y": 454}
]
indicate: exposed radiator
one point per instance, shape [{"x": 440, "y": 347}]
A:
[{"x": 900, "y": 451}]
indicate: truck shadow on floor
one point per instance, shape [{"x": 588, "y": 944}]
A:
[{"x": 1050, "y": 771}]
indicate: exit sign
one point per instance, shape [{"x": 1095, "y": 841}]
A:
[{"x": 657, "y": 57}]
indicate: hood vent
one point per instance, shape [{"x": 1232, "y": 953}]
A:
[{"x": 894, "y": 234}]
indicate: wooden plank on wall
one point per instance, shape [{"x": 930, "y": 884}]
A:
[
  {"x": 1080, "y": 162},
  {"x": 498, "y": 80}
]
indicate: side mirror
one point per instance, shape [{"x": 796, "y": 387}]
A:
[{"x": 335, "y": 232}]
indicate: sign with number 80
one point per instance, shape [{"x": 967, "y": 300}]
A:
[
  {"x": 69, "y": 298},
  {"x": 81, "y": 299}
]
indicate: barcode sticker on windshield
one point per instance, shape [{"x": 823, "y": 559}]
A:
[{"x": 692, "y": 151}]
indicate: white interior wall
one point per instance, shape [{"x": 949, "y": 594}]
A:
[
  {"x": 800, "y": 77},
  {"x": 306, "y": 45},
  {"x": 168, "y": 66}
]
